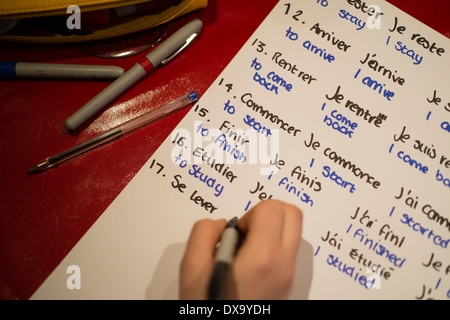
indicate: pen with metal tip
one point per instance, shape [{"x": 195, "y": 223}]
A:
[
  {"x": 58, "y": 71},
  {"x": 119, "y": 131},
  {"x": 218, "y": 285},
  {"x": 161, "y": 55}
]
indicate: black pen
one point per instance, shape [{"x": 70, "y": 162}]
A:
[{"x": 218, "y": 285}]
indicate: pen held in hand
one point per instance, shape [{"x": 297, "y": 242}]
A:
[
  {"x": 218, "y": 285},
  {"x": 114, "y": 133}
]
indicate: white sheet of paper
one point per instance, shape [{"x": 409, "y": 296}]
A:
[{"x": 342, "y": 113}]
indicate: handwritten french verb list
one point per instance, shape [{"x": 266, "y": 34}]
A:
[
  {"x": 371, "y": 246},
  {"x": 339, "y": 44}
]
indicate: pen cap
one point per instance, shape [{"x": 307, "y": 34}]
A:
[{"x": 174, "y": 43}]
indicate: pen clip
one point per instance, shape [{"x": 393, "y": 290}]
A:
[{"x": 188, "y": 42}]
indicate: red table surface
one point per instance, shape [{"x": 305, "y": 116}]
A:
[{"x": 43, "y": 216}]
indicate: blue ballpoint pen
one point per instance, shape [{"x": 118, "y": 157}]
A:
[
  {"x": 218, "y": 285},
  {"x": 114, "y": 133}
]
